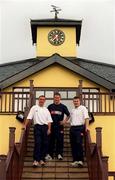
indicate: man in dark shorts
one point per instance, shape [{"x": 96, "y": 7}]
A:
[{"x": 57, "y": 110}]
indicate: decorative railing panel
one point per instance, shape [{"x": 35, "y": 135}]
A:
[{"x": 11, "y": 102}]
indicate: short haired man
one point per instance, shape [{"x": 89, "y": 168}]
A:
[
  {"x": 42, "y": 128},
  {"x": 57, "y": 110},
  {"x": 79, "y": 120}
]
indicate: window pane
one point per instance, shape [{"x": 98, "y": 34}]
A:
[
  {"x": 63, "y": 94},
  {"x": 85, "y": 90},
  {"x": 94, "y": 90},
  {"x": 26, "y": 90},
  {"x": 48, "y": 102},
  {"x": 49, "y": 94},
  {"x": 71, "y": 94},
  {"x": 18, "y": 90},
  {"x": 39, "y": 93},
  {"x": 68, "y": 103}
]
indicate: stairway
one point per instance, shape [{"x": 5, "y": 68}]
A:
[{"x": 55, "y": 169}]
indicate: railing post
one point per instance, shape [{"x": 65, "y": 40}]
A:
[
  {"x": 80, "y": 89},
  {"x": 32, "y": 99},
  {"x": 26, "y": 110},
  {"x": 11, "y": 137},
  {"x": 3, "y": 167},
  {"x": 99, "y": 139},
  {"x": 105, "y": 167}
]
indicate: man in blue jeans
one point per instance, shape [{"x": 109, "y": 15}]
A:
[
  {"x": 57, "y": 111},
  {"x": 79, "y": 121},
  {"x": 42, "y": 128}
]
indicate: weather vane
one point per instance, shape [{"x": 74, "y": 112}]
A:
[{"x": 56, "y": 10}]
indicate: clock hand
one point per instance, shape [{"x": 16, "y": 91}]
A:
[{"x": 55, "y": 37}]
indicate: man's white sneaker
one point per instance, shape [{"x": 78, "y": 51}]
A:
[
  {"x": 60, "y": 157},
  {"x": 74, "y": 164},
  {"x": 48, "y": 157},
  {"x": 80, "y": 164},
  {"x": 35, "y": 163}
]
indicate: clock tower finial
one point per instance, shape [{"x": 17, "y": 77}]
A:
[{"x": 56, "y": 10}]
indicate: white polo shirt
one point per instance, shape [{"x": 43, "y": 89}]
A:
[
  {"x": 40, "y": 115},
  {"x": 78, "y": 116}
]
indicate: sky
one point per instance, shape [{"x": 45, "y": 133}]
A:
[{"x": 97, "y": 34}]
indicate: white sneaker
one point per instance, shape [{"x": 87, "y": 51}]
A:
[
  {"x": 60, "y": 157},
  {"x": 74, "y": 164},
  {"x": 48, "y": 157},
  {"x": 80, "y": 164},
  {"x": 35, "y": 163}
]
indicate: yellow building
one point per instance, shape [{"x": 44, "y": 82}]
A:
[{"x": 57, "y": 68}]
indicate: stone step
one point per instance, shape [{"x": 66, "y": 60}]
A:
[
  {"x": 30, "y": 158},
  {"x": 65, "y": 159},
  {"x": 55, "y": 175},
  {"x": 66, "y": 140},
  {"x": 66, "y": 146},
  {"x": 31, "y": 136},
  {"x": 66, "y": 131},
  {"x": 30, "y": 149},
  {"x": 65, "y": 150},
  {"x": 55, "y": 169},
  {"x": 66, "y": 154},
  {"x": 54, "y": 164},
  {"x": 55, "y": 179}
]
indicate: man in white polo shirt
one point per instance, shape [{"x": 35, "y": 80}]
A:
[
  {"x": 42, "y": 128},
  {"x": 79, "y": 120}
]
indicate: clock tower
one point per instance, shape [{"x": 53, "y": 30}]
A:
[{"x": 56, "y": 35}]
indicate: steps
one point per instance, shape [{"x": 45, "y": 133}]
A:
[{"x": 55, "y": 169}]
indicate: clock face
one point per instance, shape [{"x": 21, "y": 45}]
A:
[{"x": 56, "y": 37}]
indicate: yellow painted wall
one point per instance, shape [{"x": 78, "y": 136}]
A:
[
  {"x": 68, "y": 48},
  {"x": 7, "y": 121}
]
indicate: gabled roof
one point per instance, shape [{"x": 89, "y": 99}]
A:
[
  {"x": 55, "y": 23},
  {"x": 107, "y": 71},
  {"x": 11, "y": 73}
]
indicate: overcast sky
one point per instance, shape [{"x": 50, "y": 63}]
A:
[{"x": 98, "y": 29}]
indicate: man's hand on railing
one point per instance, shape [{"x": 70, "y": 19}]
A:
[
  {"x": 86, "y": 129},
  {"x": 25, "y": 123}
]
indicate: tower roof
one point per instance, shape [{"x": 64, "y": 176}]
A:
[{"x": 36, "y": 23}]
